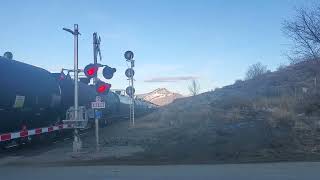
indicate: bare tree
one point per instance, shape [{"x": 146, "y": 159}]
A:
[
  {"x": 304, "y": 31},
  {"x": 256, "y": 70},
  {"x": 194, "y": 87},
  {"x": 281, "y": 67}
]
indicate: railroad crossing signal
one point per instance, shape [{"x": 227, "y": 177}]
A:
[
  {"x": 102, "y": 87},
  {"x": 91, "y": 70}
]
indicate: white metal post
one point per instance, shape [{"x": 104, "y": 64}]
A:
[
  {"x": 77, "y": 142},
  {"x": 75, "y": 70},
  {"x": 95, "y": 79}
]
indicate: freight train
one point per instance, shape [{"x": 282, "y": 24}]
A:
[{"x": 34, "y": 101}]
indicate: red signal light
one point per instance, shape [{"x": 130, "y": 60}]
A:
[
  {"x": 91, "y": 70},
  {"x": 102, "y": 87}
]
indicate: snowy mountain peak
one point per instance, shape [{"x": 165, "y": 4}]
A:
[
  {"x": 161, "y": 91},
  {"x": 160, "y": 96}
]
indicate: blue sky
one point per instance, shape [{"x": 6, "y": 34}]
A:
[{"x": 214, "y": 41}]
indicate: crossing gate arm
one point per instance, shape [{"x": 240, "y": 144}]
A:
[{"x": 26, "y": 133}]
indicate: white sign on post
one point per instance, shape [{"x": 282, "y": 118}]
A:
[{"x": 98, "y": 104}]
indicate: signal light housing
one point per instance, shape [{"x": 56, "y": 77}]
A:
[
  {"x": 102, "y": 87},
  {"x": 91, "y": 70},
  {"x": 108, "y": 72}
]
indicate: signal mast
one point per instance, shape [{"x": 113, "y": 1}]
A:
[
  {"x": 102, "y": 88},
  {"x": 128, "y": 55},
  {"x": 77, "y": 142},
  {"x": 74, "y": 116}
]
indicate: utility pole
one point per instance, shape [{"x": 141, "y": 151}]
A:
[
  {"x": 77, "y": 142},
  {"x": 96, "y": 50},
  {"x": 75, "y": 69}
]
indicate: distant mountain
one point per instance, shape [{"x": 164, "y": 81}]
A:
[{"x": 160, "y": 96}]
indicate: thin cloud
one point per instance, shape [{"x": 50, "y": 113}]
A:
[{"x": 170, "y": 79}]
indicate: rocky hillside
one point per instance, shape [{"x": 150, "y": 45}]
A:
[
  {"x": 269, "y": 118},
  {"x": 293, "y": 80},
  {"x": 160, "y": 96}
]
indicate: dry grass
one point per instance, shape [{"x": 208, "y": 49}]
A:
[{"x": 284, "y": 103}]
